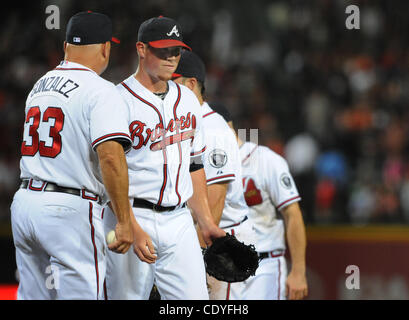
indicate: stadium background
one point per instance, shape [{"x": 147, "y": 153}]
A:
[{"x": 333, "y": 101}]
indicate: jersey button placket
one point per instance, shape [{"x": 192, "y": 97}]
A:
[
  {"x": 166, "y": 117},
  {"x": 173, "y": 158}
]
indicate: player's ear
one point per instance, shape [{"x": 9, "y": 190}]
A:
[
  {"x": 191, "y": 83},
  {"x": 141, "y": 49},
  {"x": 106, "y": 49},
  {"x": 65, "y": 46}
]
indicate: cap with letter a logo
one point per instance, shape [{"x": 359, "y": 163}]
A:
[
  {"x": 161, "y": 32},
  {"x": 89, "y": 27}
]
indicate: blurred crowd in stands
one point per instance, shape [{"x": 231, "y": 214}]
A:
[{"x": 332, "y": 101}]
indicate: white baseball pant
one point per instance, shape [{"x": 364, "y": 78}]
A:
[
  {"x": 220, "y": 290},
  {"x": 267, "y": 284},
  {"x": 178, "y": 273},
  {"x": 60, "y": 245}
]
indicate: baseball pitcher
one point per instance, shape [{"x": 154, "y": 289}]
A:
[{"x": 166, "y": 129}]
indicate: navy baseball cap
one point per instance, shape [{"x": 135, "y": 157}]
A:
[
  {"x": 161, "y": 32},
  {"x": 190, "y": 66},
  {"x": 89, "y": 27}
]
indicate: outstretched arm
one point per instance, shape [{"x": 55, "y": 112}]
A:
[
  {"x": 115, "y": 177},
  {"x": 296, "y": 286},
  {"x": 142, "y": 246}
]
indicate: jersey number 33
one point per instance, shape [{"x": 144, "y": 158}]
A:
[{"x": 37, "y": 120}]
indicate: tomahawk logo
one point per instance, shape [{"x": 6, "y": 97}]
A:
[{"x": 174, "y": 31}]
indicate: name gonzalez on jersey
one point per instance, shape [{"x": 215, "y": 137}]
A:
[{"x": 59, "y": 84}]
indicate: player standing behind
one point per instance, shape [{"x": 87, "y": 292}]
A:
[
  {"x": 166, "y": 128},
  {"x": 223, "y": 171},
  {"x": 271, "y": 194},
  {"x": 70, "y": 150}
]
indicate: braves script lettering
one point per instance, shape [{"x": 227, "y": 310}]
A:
[{"x": 140, "y": 135}]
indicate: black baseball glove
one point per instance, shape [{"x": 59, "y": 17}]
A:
[{"x": 230, "y": 260}]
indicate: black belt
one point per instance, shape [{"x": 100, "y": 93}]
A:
[
  {"x": 236, "y": 224},
  {"x": 52, "y": 187},
  {"x": 141, "y": 203},
  {"x": 271, "y": 254}
]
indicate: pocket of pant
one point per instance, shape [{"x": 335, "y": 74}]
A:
[
  {"x": 59, "y": 209},
  {"x": 58, "y": 227}
]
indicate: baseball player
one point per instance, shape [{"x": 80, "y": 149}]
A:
[
  {"x": 223, "y": 170},
  {"x": 70, "y": 150},
  {"x": 166, "y": 129},
  {"x": 272, "y": 197}
]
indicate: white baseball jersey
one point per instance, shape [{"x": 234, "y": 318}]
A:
[
  {"x": 165, "y": 134},
  {"x": 268, "y": 187},
  {"x": 222, "y": 163},
  {"x": 69, "y": 111}
]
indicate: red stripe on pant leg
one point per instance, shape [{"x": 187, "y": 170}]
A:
[
  {"x": 95, "y": 247},
  {"x": 228, "y": 291},
  {"x": 279, "y": 279},
  {"x": 228, "y": 284},
  {"x": 105, "y": 289}
]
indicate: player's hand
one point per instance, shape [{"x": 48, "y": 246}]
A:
[
  {"x": 296, "y": 286},
  {"x": 124, "y": 237},
  {"x": 211, "y": 232},
  {"x": 143, "y": 247}
]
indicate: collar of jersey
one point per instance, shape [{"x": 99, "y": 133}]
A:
[
  {"x": 134, "y": 84},
  {"x": 246, "y": 148},
  {"x": 206, "y": 108},
  {"x": 69, "y": 64}
]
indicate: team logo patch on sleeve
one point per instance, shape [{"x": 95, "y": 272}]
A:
[
  {"x": 217, "y": 158},
  {"x": 285, "y": 181}
]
